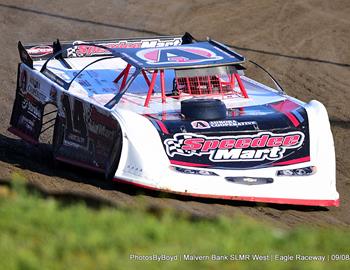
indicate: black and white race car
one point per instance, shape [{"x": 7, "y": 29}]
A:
[{"x": 177, "y": 115}]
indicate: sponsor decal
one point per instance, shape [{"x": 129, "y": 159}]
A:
[
  {"x": 100, "y": 123},
  {"x": 31, "y": 109},
  {"x": 56, "y": 79},
  {"x": 200, "y": 124},
  {"x": 39, "y": 51},
  {"x": 262, "y": 146},
  {"x": 182, "y": 54},
  {"x": 81, "y": 49},
  {"x": 34, "y": 89},
  {"x": 153, "y": 43}
]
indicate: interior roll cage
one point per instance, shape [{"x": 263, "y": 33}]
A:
[{"x": 193, "y": 86}]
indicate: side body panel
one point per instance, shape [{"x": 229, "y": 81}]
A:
[{"x": 87, "y": 133}]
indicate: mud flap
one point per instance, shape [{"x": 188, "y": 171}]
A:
[{"x": 27, "y": 112}]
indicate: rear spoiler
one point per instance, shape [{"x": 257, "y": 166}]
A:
[{"x": 42, "y": 51}]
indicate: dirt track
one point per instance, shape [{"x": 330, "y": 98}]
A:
[{"x": 305, "y": 44}]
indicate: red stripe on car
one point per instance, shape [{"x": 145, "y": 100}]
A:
[
  {"x": 188, "y": 164},
  {"x": 286, "y": 107},
  {"x": 293, "y": 161},
  {"x": 162, "y": 127}
]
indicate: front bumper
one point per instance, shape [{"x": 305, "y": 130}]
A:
[{"x": 312, "y": 190}]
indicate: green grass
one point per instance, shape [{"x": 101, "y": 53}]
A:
[{"x": 38, "y": 233}]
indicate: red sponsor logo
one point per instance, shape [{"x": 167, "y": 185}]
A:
[
  {"x": 265, "y": 145},
  {"x": 183, "y": 54},
  {"x": 80, "y": 49},
  {"x": 39, "y": 51}
]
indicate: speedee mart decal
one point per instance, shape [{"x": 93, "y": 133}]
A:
[
  {"x": 81, "y": 49},
  {"x": 262, "y": 146}
]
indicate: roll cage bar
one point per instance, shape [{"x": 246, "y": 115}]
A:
[{"x": 188, "y": 81}]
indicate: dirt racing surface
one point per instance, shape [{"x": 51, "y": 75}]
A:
[{"x": 305, "y": 44}]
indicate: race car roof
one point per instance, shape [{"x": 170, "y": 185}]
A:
[{"x": 199, "y": 54}]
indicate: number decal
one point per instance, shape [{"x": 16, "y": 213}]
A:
[{"x": 75, "y": 123}]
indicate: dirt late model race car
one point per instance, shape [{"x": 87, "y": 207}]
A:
[{"x": 176, "y": 115}]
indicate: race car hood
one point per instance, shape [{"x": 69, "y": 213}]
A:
[{"x": 274, "y": 134}]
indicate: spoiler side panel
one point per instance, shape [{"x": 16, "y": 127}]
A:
[{"x": 33, "y": 92}]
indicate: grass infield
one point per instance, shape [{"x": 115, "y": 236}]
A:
[{"x": 43, "y": 233}]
